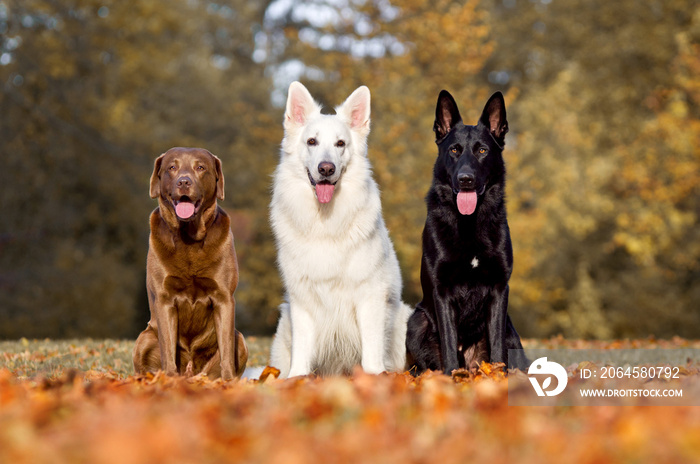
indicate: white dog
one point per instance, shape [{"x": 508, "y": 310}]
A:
[{"x": 337, "y": 263}]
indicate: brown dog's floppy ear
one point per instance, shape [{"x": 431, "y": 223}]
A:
[
  {"x": 219, "y": 179},
  {"x": 155, "y": 177}
]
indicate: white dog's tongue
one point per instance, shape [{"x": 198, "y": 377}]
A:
[
  {"x": 324, "y": 192},
  {"x": 184, "y": 210},
  {"x": 466, "y": 202}
]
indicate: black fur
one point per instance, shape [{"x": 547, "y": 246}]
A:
[{"x": 463, "y": 317}]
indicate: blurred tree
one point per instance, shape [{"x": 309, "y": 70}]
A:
[
  {"x": 603, "y": 164},
  {"x": 92, "y": 91},
  {"x": 603, "y": 154}
]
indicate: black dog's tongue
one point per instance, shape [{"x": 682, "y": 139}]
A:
[{"x": 466, "y": 202}]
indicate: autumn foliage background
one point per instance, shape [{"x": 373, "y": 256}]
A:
[
  {"x": 603, "y": 153},
  {"x": 603, "y": 159}
]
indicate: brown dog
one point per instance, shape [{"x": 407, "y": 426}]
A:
[{"x": 191, "y": 273}]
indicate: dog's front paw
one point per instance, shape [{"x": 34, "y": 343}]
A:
[
  {"x": 373, "y": 368},
  {"x": 297, "y": 373}
]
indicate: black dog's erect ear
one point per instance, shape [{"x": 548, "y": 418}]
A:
[
  {"x": 446, "y": 115},
  {"x": 494, "y": 117}
]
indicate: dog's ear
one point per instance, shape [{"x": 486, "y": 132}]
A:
[
  {"x": 300, "y": 105},
  {"x": 155, "y": 177},
  {"x": 494, "y": 117},
  {"x": 446, "y": 115},
  {"x": 219, "y": 179},
  {"x": 356, "y": 109}
]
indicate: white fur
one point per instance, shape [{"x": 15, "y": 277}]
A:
[{"x": 337, "y": 262}]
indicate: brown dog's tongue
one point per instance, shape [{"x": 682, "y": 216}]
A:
[
  {"x": 324, "y": 192},
  {"x": 466, "y": 202},
  {"x": 184, "y": 210}
]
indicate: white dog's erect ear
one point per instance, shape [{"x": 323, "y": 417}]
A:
[
  {"x": 356, "y": 109},
  {"x": 300, "y": 105}
]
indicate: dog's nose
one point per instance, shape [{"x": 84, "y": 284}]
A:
[
  {"x": 466, "y": 181},
  {"x": 326, "y": 168},
  {"x": 184, "y": 182}
]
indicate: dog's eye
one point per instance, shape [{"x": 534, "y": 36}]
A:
[
  {"x": 482, "y": 151},
  {"x": 340, "y": 143},
  {"x": 311, "y": 142},
  {"x": 454, "y": 150},
  {"x": 201, "y": 168},
  {"x": 172, "y": 168}
]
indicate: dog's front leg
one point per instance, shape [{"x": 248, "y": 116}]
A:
[
  {"x": 166, "y": 314},
  {"x": 303, "y": 336},
  {"x": 517, "y": 358},
  {"x": 498, "y": 313},
  {"x": 371, "y": 318},
  {"x": 224, "y": 311},
  {"x": 447, "y": 326}
]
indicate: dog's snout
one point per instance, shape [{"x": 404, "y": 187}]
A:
[
  {"x": 466, "y": 181},
  {"x": 326, "y": 168},
  {"x": 184, "y": 181}
]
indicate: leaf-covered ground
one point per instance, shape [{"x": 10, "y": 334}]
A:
[{"x": 78, "y": 402}]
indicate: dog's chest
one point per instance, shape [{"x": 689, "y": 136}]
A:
[
  {"x": 195, "y": 319},
  {"x": 199, "y": 261},
  {"x": 193, "y": 302},
  {"x": 470, "y": 270},
  {"x": 193, "y": 291},
  {"x": 466, "y": 257},
  {"x": 329, "y": 258}
]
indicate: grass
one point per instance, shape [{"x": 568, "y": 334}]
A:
[{"x": 50, "y": 358}]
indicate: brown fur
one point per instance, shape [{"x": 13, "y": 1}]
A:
[
  {"x": 475, "y": 354},
  {"x": 191, "y": 274}
]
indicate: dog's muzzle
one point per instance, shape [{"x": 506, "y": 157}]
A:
[
  {"x": 185, "y": 208},
  {"x": 311, "y": 179},
  {"x": 323, "y": 188}
]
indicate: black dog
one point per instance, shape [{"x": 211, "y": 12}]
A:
[{"x": 467, "y": 253}]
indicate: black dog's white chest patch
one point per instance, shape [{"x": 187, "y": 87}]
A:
[{"x": 475, "y": 262}]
